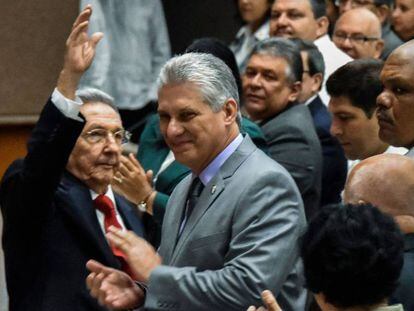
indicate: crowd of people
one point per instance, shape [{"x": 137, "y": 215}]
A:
[{"x": 275, "y": 173}]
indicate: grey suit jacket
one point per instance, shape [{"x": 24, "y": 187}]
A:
[
  {"x": 293, "y": 142},
  {"x": 242, "y": 237}
]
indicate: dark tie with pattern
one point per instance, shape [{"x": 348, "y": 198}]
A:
[
  {"x": 105, "y": 205},
  {"x": 193, "y": 194}
]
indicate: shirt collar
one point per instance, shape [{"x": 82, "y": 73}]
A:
[
  {"x": 212, "y": 169},
  {"x": 109, "y": 193}
]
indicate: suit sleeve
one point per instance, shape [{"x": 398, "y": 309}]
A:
[
  {"x": 29, "y": 184},
  {"x": 290, "y": 149},
  {"x": 266, "y": 225}
]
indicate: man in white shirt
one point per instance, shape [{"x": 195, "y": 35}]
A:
[{"x": 306, "y": 19}]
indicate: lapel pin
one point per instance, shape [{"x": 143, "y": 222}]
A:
[{"x": 213, "y": 189}]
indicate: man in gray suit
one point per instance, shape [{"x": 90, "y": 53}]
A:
[
  {"x": 231, "y": 228},
  {"x": 271, "y": 85}
]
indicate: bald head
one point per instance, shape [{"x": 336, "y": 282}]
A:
[
  {"x": 362, "y": 23},
  {"x": 386, "y": 181}
]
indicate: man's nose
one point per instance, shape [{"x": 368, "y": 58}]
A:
[
  {"x": 335, "y": 129},
  {"x": 174, "y": 128},
  {"x": 384, "y": 100}
]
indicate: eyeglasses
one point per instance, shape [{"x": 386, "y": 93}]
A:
[
  {"x": 357, "y": 38},
  {"x": 354, "y": 3},
  {"x": 97, "y": 136}
]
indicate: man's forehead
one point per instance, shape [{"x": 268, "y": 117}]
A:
[
  {"x": 100, "y": 114},
  {"x": 267, "y": 61},
  {"x": 301, "y": 5}
]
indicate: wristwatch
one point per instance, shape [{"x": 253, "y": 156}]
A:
[{"x": 142, "y": 205}]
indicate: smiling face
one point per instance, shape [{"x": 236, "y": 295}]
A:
[
  {"x": 396, "y": 102},
  {"x": 295, "y": 19},
  {"x": 266, "y": 86},
  {"x": 193, "y": 131},
  {"x": 96, "y": 163},
  {"x": 357, "y": 134}
]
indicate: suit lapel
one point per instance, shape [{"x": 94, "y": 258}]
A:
[
  {"x": 76, "y": 203},
  {"x": 129, "y": 216},
  {"x": 210, "y": 193},
  {"x": 172, "y": 221}
]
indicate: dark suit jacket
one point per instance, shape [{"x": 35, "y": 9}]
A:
[
  {"x": 50, "y": 226},
  {"x": 152, "y": 152},
  {"x": 292, "y": 142},
  {"x": 404, "y": 292},
  {"x": 334, "y": 169}
]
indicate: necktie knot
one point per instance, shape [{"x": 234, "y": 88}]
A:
[{"x": 104, "y": 204}]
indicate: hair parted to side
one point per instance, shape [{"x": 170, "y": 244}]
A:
[
  {"x": 315, "y": 59},
  {"x": 213, "y": 77},
  {"x": 353, "y": 254},
  {"x": 92, "y": 95},
  {"x": 359, "y": 81},
  {"x": 285, "y": 49}
]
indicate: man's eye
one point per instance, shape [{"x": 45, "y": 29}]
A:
[
  {"x": 295, "y": 15},
  {"x": 275, "y": 15},
  {"x": 187, "y": 116},
  {"x": 249, "y": 73},
  {"x": 399, "y": 90}
]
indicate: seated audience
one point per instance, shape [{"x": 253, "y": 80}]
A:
[
  {"x": 307, "y": 20},
  {"x": 271, "y": 85},
  {"x": 381, "y": 8},
  {"x": 395, "y": 103},
  {"x": 353, "y": 89},
  {"x": 57, "y": 202},
  {"x": 154, "y": 154},
  {"x": 334, "y": 163},
  {"x": 352, "y": 256},
  {"x": 231, "y": 228},
  {"x": 255, "y": 13},
  {"x": 387, "y": 181},
  {"x": 358, "y": 33},
  {"x": 403, "y": 19}
]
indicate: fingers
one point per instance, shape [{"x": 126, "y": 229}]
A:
[
  {"x": 83, "y": 16},
  {"x": 270, "y": 301},
  {"x": 135, "y": 161},
  {"x": 95, "y": 38},
  {"x": 95, "y": 266},
  {"x": 251, "y": 308},
  {"x": 82, "y": 27}
]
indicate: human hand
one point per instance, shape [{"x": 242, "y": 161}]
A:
[
  {"x": 269, "y": 302},
  {"x": 140, "y": 255},
  {"x": 132, "y": 181},
  {"x": 79, "y": 53},
  {"x": 113, "y": 288}
]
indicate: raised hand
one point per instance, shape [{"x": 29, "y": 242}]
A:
[
  {"x": 113, "y": 288},
  {"x": 269, "y": 302},
  {"x": 133, "y": 182},
  {"x": 140, "y": 255},
  {"x": 79, "y": 53}
]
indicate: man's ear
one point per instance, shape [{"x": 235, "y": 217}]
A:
[
  {"x": 379, "y": 46},
  {"x": 296, "y": 87},
  {"x": 323, "y": 24},
  {"x": 230, "y": 109},
  {"x": 317, "y": 80}
]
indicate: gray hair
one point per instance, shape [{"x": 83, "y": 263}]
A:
[
  {"x": 285, "y": 49},
  {"x": 213, "y": 77},
  {"x": 92, "y": 95}
]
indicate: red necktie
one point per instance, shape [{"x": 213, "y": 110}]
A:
[{"x": 105, "y": 205}]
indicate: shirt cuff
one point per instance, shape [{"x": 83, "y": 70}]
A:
[{"x": 70, "y": 108}]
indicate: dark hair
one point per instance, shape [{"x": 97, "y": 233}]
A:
[
  {"x": 389, "y": 3},
  {"x": 220, "y": 50},
  {"x": 353, "y": 254},
  {"x": 315, "y": 58},
  {"x": 283, "y": 48},
  {"x": 359, "y": 81},
  {"x": 318, "y": 8}
]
